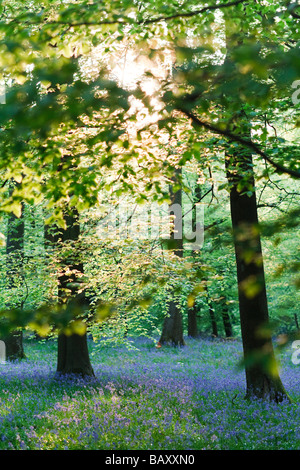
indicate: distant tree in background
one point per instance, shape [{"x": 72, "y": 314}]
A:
[
  {"x": 15, "y": 280},
  {"x": 172, "y": 331}
]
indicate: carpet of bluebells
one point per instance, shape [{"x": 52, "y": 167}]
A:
[{"x": 145, "y": 398}]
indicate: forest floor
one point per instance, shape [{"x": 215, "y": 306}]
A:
[{"x": 189, "y": 398}]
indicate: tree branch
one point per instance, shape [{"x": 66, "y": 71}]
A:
[
  {"x": 124, "y": 20},
  {"x": 194, "y": 205},
  {"x": 270, "y": 205},
  {"x": 195, "y": 12},
  {"x": 291, "y": 9},
  {"x": 236, "y": 138}
]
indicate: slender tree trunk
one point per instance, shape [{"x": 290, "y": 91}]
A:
[
  {"x": 212, "y": 316},
  {"x": 192, "y": 321},
  {"x": 72, "y": 354},
  {"x": 15, "y": 278},
  {"x": 193, "y": 311},
  {"x": 226, "y": 320},
  {"x": 262, "y": 376},
  {"x": 172, "y": 331},
  {"x": 214, "y": 326}
]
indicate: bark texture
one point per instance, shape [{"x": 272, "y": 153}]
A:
[
  {"x": 72, "y": 352},
  {"x": 192, "y": 321},
  {"x": 14, "y": 271},
  {"x": 262, "y": 376},
  {"x": 73, "y": 355},
  {"x": 172, "y": 331}
]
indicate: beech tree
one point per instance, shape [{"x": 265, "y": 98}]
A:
[
  {"x": 172, "y": 331},
  {"x": 73, "y": 355},
  {"x": 262, "y": 375},
  {"x": 261, "y": 370},
  {"x": 15, "y": 278}
]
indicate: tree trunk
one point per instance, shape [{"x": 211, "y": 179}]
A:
[
  {"x": 15, "y": 278},
  {"x": 193, "y": 311},
  {"x": 213, "y": 320},
  {"x": 192, "y": 321},
  {"x": 226, "y": 320},
  {"x": 262, "y": 376},
  {"x": 14, "y": 346},
  {"x": 72, "y": 353},
  {"x": 172, "y": 331}
]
